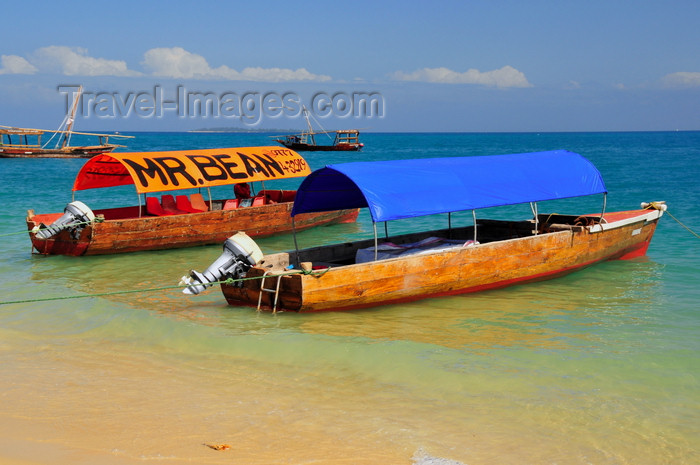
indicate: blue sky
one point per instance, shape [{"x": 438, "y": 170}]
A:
[{"x": 381, "y": 66}]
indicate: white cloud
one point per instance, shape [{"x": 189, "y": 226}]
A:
[
  {"x": 74, "y": 61},
  {"x": 174, "y": 62},
  {"x": 178, "y": 63},
  {"x": 504, "y": 77},
  {"x": 13, "y": 64},
  {"x": 681, "y": 79},
  {"x": 281, "y": 74}
]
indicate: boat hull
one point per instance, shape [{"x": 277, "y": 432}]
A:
[
  {"x": 67, "y": 152},
  {"x": 458, "y": 270},
  {"x": 114, "y": 236},
  {"x": 299, "y": 147}
]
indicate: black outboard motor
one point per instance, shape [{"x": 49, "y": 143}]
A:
[
  {"x": 240, "y": 254},
  {"x": 76, "y": 215}
]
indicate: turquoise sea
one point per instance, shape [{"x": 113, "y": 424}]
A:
[{"x": 600, "y": 367}]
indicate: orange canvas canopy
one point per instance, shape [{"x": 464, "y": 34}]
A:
[{"x": 187, "y": 169}]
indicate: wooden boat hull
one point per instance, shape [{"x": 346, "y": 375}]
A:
[
  {"x": 299, "y": 147},
  {"x": 67, "y": 152},
  {"x": 458, "y": 270},
  {"x": 168, "y": 232}
]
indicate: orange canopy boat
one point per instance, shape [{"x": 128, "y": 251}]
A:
[{"x": 181, "y": 220}]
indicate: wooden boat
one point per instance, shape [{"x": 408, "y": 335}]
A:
[
  {"x": 23, "y": 147},
  {"x": 344, "y": 140},
  {"x": 27, "y": 141},
  {"x": 174, "y": 221},
  {"x": 486, "y": 254}
]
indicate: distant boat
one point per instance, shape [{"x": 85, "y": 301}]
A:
[
  {"x": 26, "y": 142},
  {"x": 345, "y": 140}
]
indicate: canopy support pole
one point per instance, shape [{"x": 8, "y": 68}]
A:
[
  {"x": 211, "y": 204},
  {"x": 138, "y": 197},
  {"x": 376, "y": 245},
  {"x": 605, "y": 201},
  {"x": 386, "y": 230},
  {"x": 533, "y": 207},
  {"x": 474, "y": 220},
  {"x": 296, "y": 246},
  {"x": 449, "y": 223}
]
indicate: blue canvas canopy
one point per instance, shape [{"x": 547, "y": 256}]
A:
[{"x": 408, "y": 188}]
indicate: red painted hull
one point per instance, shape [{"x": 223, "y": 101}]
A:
[
  {"x": 176, "y": 231},
  {"x": 299, "y": 147}
]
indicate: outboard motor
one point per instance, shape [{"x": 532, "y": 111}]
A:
[
  {"x": 76, "y": 214},
  {"x": 240, "y": 254}
]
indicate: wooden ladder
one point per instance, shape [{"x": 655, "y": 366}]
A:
[{"x": 276, "y": 290}]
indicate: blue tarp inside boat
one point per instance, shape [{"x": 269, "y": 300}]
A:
[{"x": 408, "y": 188}]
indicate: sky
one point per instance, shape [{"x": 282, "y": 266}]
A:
[{"x": 383, "y": 66}]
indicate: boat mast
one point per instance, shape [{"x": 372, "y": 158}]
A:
[
  {"x": 310, "y": 134},
  {"x": 71, "y": 118}
]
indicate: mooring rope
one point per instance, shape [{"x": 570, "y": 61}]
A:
[
  {"x": 686, "y": 227},
  {"x": 18, "y": 232},
  {"x": 153, "y": 289},
  {"x": 36, "y": 229},
  {"x": 662, "y": 207},
  {"x": 101, "y": 294}
]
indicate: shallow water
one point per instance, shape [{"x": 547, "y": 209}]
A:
[{"x": 599, "y": 367}]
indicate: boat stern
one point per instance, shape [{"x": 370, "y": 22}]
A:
[{"x": 61, "y": 237}]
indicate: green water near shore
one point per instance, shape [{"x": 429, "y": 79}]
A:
[{"x": 597, "y": 367}]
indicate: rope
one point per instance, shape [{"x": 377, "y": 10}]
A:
[
  {"x": 686, "y": 227},
  {"x": 152, "y": 289},
  {"x": 661, "y": 206},
  {"x": 48, "y": 299},
  {"x": 36, "y": 229},
  {"x": 19, "y": 232}
]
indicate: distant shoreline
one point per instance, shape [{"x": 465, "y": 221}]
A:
[
  {"x": 238, "y": 130},
  {"x": 295, "y": 131}
]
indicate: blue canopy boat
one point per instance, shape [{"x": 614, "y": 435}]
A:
[{"x": 482, "y": 255}]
